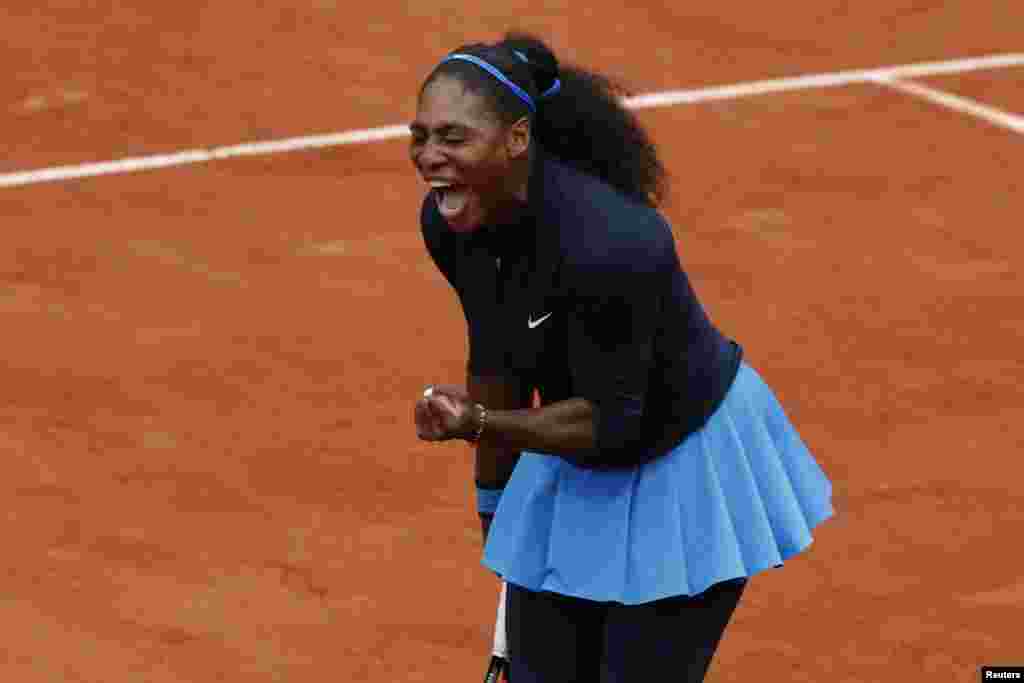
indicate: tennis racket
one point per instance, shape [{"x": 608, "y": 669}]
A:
[{"x": 497, "y": 669}]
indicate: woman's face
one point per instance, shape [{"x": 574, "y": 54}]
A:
[{"x": 464, "y": 151}]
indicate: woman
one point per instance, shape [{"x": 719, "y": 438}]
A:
[{"x": 656, "y": 472}]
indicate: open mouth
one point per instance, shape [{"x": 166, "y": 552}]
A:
[{"x": 451, "y": 198}]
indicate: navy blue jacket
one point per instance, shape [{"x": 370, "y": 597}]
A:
[{"x": 585, "y": 297}]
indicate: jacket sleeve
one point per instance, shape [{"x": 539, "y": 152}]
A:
[{"x": 612, "y": 333}]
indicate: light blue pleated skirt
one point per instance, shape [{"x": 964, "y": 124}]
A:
[{"x": 735, "y": 498}]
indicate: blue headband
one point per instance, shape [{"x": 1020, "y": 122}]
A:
[
  {"x": 555, "y": 87},
  {"x": 494, "y": 71}
]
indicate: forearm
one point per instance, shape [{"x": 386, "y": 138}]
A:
[
  {"x": 565, "y": 428},
  {"x": 494, "y": 462}
]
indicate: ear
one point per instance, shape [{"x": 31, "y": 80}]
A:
[{"x": 517, "y": 141}]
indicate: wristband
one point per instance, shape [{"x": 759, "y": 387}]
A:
[{"x": 487, "y": 499}]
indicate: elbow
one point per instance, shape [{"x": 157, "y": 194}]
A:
[{"x": 620, "y": 432}]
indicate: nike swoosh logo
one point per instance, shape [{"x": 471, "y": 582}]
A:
[{"x": 533, "y": 323}]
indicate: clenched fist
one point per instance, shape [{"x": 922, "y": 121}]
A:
[{"x": 445, "y": 412}]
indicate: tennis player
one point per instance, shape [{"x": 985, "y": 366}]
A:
[{"x": 628, "y": 506}]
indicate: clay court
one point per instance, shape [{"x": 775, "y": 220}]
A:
[{"x": 210, "y": 471}]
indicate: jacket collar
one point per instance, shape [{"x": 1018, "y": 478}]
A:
[{"x": 518, "y": 236}]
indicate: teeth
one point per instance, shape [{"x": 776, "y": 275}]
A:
[{"x": 439, "y": 183}]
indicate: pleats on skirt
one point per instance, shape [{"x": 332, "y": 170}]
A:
[{"x": 739, "y": 496}]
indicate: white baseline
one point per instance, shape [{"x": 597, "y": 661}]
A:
[{"x": 664, "y": 99}]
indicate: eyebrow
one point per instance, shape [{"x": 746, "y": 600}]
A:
[{"x": 441, "y": 129}]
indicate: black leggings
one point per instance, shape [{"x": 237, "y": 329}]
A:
[{"x": 558, "y": 639}]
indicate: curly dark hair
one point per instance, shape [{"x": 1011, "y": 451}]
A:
[{"x": 584, "y": 124}]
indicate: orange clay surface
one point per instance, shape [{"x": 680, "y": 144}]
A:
[{"x": 209, "y": 466}]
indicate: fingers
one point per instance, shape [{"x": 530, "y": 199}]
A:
[
  {"x": 428, "y": 423},
  {"x": 459, "y": 394},
  {"x": 449, "y": 400},
  {"x": 421, "y": 418},
  {"x": 440, "y": 410},
  {"x": 444, "y": 407}
]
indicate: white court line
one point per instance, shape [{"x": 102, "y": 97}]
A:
[
  {"x": 957, "y": 103},
  {"x": 726, "y": 92},
  {"x": 664, "y": 99}
]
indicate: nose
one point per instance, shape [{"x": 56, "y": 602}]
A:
[{"x": 429, "y": 157}]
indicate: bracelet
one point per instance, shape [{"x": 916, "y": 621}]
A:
[{"x": 481, "y": 423}]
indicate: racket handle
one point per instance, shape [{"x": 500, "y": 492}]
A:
[{"x": 497, "y": 667}]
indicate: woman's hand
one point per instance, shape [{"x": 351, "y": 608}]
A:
[{"x": 445, "y": 412}]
